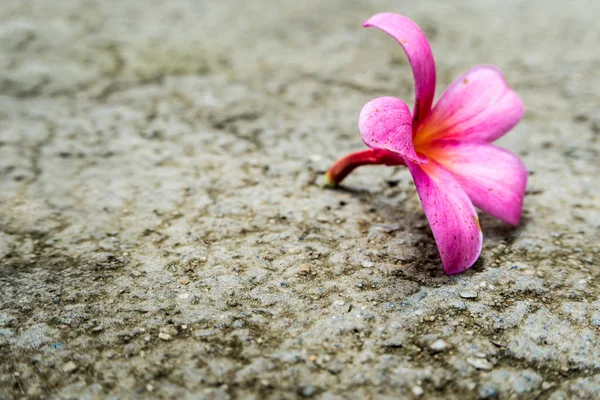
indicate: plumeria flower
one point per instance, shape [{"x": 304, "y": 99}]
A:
[{"x": 447, "y": 148}]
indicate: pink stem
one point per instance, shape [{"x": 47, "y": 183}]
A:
[{"x": 346, "y": 164}]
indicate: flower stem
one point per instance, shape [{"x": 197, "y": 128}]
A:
[{"x": 345, "y": 165}]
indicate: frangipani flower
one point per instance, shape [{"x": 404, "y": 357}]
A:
[{"x": 447, "y": 148}]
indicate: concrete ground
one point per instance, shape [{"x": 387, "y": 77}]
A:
[{"x": 164, "y": 232}]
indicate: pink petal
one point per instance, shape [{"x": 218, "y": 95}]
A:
[
  {"x": 385, "y": 124},
  {"x": 415, "y": 45},
  {"x": 477, "y": 106},
  {"x": 494, "y": 179},
  {"x": 451, "y": 215}
]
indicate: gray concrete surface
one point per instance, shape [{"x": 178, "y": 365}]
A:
[{"x": 164, "y": 234}]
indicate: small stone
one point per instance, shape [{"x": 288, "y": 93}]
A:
[
  {"x": 438, "y": 345},
  {"x": 313, "y": 357},
  {"x": 136, "y": 274},
  {"x": 488, "y": 392},
  {"x": 184, "y": 327},
  {"x": 468, "y": 294},
  {"x": 367, "y": 264},
  {"x": 169, "y": 329},
  {"x": 304, "y": 269},
  {"x": 149, "y": 387},
  {"x": 417, "y": 391},
  {"x": 164, "y": 336},
  {"x": 308, "y": 391},
  {"x": 480, "y": 363},
  {"x": 129, "y": 349},
  {"x": 69, "y": 367},
  {"x": 547, "y": 385},
  {"x": 184, "y": 281},
  {"x": 232, "y": 303}
]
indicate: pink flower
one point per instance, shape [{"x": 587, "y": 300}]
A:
[{"x": 447, "y": 148}]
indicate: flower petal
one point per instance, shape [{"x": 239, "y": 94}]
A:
[
  {"x": 494, "y": 178},
  {"x": 451, "y": 215},
  {"x": 385, "y": 124},
  {"x": 415, "y": 45},
  {"x": 477, "y": 106}
]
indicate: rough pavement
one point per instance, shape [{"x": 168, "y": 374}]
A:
[{"x": 164, "y": 232}]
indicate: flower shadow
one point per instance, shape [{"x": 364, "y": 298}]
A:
[
  {"x": 411, "y": 250},
  {"x": 496, "y": 231}
]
